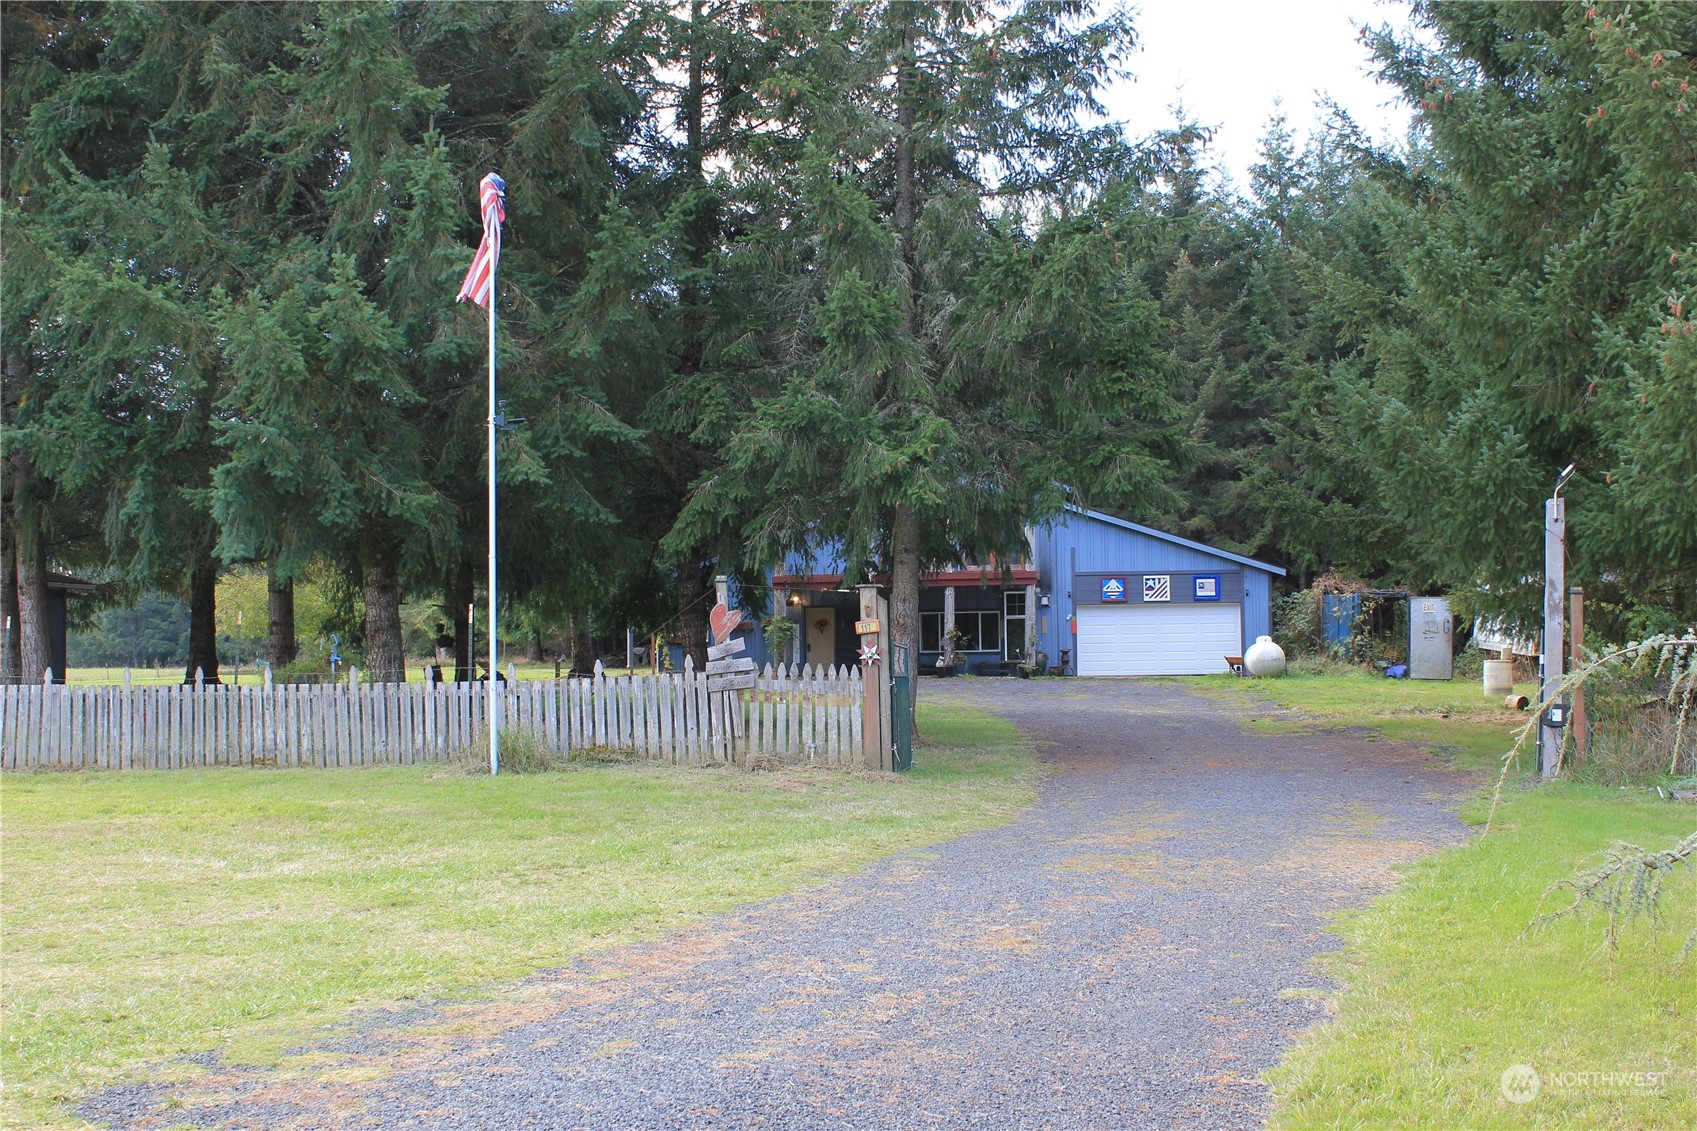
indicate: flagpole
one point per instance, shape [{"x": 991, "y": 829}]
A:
[{"x": 494, "y": 672}]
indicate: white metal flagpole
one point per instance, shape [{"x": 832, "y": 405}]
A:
[
  {"x": 479, "y": 287},
  {"x": 494, "y": 689}
]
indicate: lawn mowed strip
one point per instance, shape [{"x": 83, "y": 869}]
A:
[
  {"x": 150, "y": 915},
  {"x": 1442, "y": 987},
  {"x": 1453, "y": 718}
]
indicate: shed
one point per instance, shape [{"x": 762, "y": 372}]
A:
[{"x": 1123, "y": 599}]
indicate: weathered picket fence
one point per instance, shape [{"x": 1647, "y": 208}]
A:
[{"x": 791, "y": 715}]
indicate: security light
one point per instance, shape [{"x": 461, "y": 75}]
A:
[{"x": 1561, "y": 480}]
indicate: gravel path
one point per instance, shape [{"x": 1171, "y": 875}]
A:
[{"x": 1131, "y": 953}]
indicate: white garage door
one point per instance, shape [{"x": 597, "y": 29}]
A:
[{"x": 1157, "y": 639}]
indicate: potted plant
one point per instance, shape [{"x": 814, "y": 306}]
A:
[{"x": 780, "y": 634}]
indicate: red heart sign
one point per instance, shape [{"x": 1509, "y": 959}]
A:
[{"x": 724, "y": 622}]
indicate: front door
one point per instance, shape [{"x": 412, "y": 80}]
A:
[
  {"x": 1013, "y": 627},
  {"x": 821, "y": 636}
]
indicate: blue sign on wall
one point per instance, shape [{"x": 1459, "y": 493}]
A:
[
  {"x": 1113, "y": 589},
  {"x": 1207, "y": 587}
]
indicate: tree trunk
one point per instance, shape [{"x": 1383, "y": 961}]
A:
[
  {"x": 907, "y": 191},
  {"x": 280, "y": 647},
  {"x": 904, "y": 528},
  {"x": 583, "y": 648},
  {"x": 693, "y": 610},
  {"x": 904, "y": 592},
  {"x": 35, "y": 650},
  {"x": 533, "y": 649},
  {"x": 460, "y": 597},
  {"x": 11, "y": 659},
  {"x": 203, "y": 616},
  {"x": 385, "y": 654}
]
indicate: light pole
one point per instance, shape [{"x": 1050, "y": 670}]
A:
[{"x": 1555, "y": 597}]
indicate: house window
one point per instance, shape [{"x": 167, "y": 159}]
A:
[
  {"x": 930, "y": 632},
  {"x": 979, "y": 632}
]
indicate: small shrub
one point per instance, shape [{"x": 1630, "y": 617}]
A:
[
  {"x": 523, "y": 753},
  {"x": 1296, "y": 623}
]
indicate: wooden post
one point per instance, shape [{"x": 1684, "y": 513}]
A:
[
  {"x": 875, "y": 707},
  {"x": 1031, "y": 625},
  {"x": 1576, "y": 614},
  {"x": 947, "y": 644}
]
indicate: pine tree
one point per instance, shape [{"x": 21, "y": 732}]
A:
[
  {"x": 1544, "y": 243},
  {"x": 929, "y": 130}
]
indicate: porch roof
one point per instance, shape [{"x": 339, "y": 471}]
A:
[{"x": 937, "y": 579}]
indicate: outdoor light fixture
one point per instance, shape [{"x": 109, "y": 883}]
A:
[{"x": 1561, "y": 480}]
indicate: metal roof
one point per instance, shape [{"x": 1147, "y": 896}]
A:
[{"x": 1176, "y": 540}]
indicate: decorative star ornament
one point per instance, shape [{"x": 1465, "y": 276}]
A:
[{"x": 869, "y": 653}]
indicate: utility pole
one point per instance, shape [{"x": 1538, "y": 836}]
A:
[{"x": 1555, "y": 598}]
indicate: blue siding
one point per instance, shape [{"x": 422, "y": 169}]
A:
[
  {"x": 826, "y": 559},
  {"x": 1081, "y": 543}
]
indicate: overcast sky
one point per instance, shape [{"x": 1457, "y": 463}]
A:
[{"x": 1230, "y": 61}]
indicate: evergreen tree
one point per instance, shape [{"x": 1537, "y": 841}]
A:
[
  {"x": 1544, "y": 244},
  {"x": 929, "y": 130}
]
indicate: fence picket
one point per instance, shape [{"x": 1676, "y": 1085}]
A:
[{"x": 793, "y": 714}]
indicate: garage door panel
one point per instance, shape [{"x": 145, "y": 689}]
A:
[{"x": 1180, "y": 639}]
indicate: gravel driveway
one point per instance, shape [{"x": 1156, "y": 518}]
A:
[{"x": 1131, "y": 953}]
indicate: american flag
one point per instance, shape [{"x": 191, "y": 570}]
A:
[{"x": 480, "y": 280}]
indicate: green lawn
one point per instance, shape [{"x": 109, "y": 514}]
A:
[
  {"x": 148, "y": 915},
  {"x": 1442, "y": 988},
  {"x": 249, "y": 674},
  {"x": 1452, "y": 717}
]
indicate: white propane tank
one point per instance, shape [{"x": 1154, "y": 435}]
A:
[
  {"x": 1499, "y": 677},
  {"x": 1264, "y": 658}
]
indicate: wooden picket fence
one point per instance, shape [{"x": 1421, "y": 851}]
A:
[{"x": 790, "y": 716}]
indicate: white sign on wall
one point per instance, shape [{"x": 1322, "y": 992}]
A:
[{"x": 1157, "y": 587}]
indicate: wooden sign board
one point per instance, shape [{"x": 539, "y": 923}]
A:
[
  {"x": 727, "y": 649},
  {"x": 716, "y": 683},
  {"x": 867, "y": 628},
  {"x": 723, "y": 621},
  {"x": 726, "y": 667}
]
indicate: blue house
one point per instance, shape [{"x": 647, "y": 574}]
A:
[
  {"x": 1097, "y": 594},
  {"x": 1123, "y": 599}
]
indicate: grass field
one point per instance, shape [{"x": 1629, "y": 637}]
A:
[
  {"x": 248, "y": 674},
  {"x": 1442, "y": 986},
  {"x": 149, "y": 915},
  {"x": 1451, "y": 717}
]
